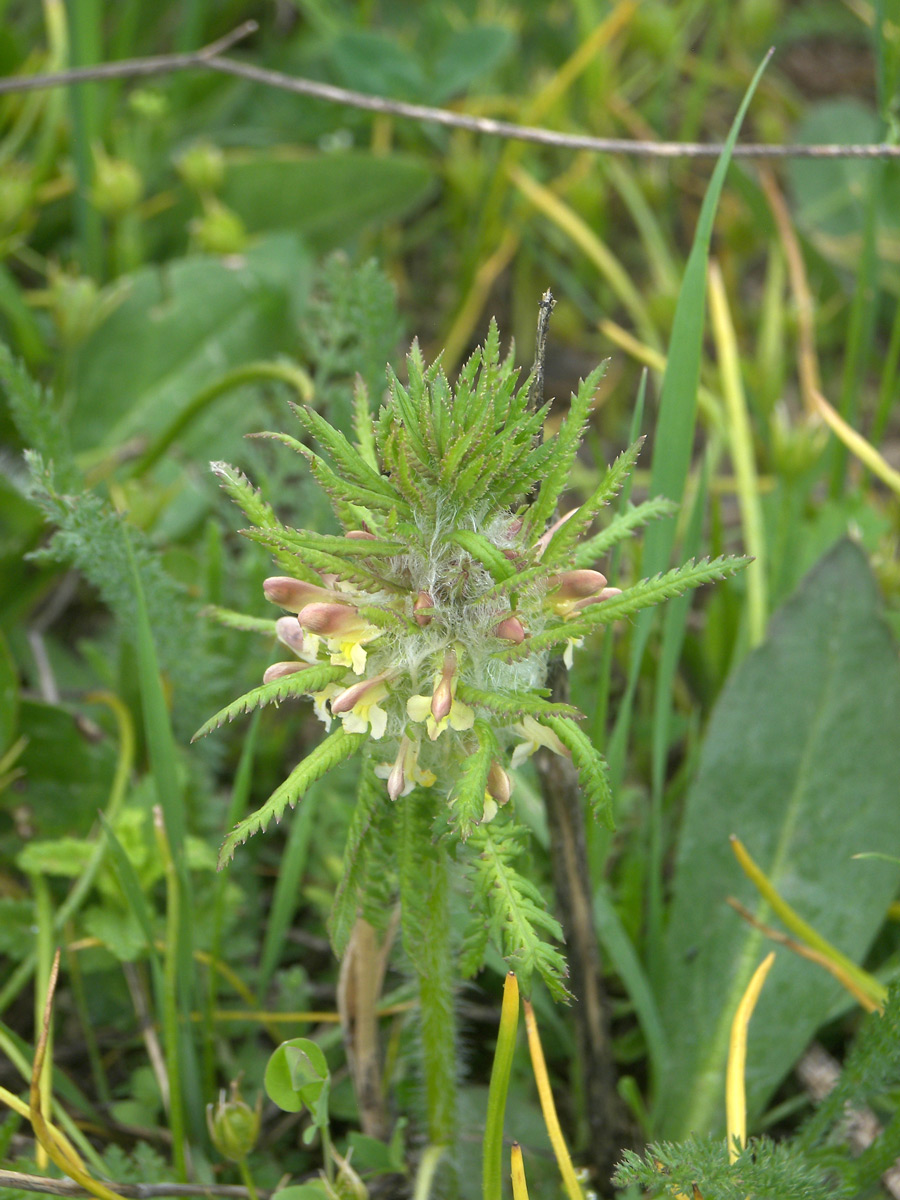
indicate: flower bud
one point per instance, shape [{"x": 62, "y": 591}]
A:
[
  {"x": 396, "y": 780},
  {"x": 329, "y": 619},
  {"x": 442, "y": 697},
  {"x": 289, "y": 633},
  {"x": 280, "y": 670},
  {"x": 423, "y": 600},
  {"x": 117, "y": 186},
  {"x": 233, "y": 1125},
  {"x": 294, "y": 594},
  {"x": 202, "y": 167},
  {"x": 360, "y": 535},
  {"x": 219, "y": 230},
  {"x": 352, "y": 695},
  {"x": 575, "y": 585},
  {"x": 510, "y": 629},
  {"x": 499, "y": 784}
]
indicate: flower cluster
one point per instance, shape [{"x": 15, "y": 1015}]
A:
[{"x": 403, "y": 679}]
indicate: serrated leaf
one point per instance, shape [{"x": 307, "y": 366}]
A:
[
  {"x": 514, "y": 704},
  {"x": 370, "y": 797},
  {"x": 565, "y": 447},
  {"x": 478, "y": 546},
  {"x": 336, "y": 747},
  {"x": 289, "y": 687},
  {"x": 517, "y": 910},
  {"x": 248, "y": 498},
  {"x": 622, "y": 527},
  {"x": 353, "y": 465},
  {"x": 568, "y": 534},
  {"x": 236, "y": 620},
  {"x": 351, "y": 569},
  {"x": 467, "y": 802},
  {"x": 590, "y": 764},
  {"x": 656, "y": 589}
]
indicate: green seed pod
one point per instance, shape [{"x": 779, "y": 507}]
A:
[
  {"x": 202, "y": 167},
  {"x": 118, "y": 186},
  {"x": 219, "y": 230},
  {"x": 233, "y": 1125}
]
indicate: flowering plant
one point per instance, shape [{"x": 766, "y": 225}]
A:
[{"x": 423, "y": 631}]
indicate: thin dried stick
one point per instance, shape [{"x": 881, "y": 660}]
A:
[{"x": 210, "y": 58}]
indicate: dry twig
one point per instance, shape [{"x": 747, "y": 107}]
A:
[{"x": 210, "y": 58}]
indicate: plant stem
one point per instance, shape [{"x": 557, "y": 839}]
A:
[{"x": 424, "y": 895}]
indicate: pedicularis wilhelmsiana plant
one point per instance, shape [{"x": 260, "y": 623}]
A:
[{"x": 423, "y": 633}]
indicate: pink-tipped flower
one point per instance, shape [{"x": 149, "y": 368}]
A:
[
  {"x": 405, "y": 773},
  {"x": 294, "y": 594},
  {"x": 442, "y": 696},
  {"x": 572, "y": 590},
  {"x": 289, "y": 633},
  {"x": 344, "y": 630},
  {"x": 352, "y": 695},
  {"x": 423, "y": 600},
  {"x": 360, "y": 535},
  {"x": 328, "y": 619},
  {"x": 359, "y": 706},
  {"x": 279, "y": 670},
  {"x": 510, "y": 629},
  {"x": 575, "y": 585},
  {"x": 499, "y": 784}
]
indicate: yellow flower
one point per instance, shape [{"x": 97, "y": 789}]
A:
[
  {"x": 535, "y": 735},
  {"x": 343, "y": 630},
  {"x": 459, "y": 717},
  {"x": 358, "y": 706},
  {"x": 404, "y": 773}
]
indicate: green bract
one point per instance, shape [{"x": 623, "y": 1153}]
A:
[{"x": 423, "y": 633}]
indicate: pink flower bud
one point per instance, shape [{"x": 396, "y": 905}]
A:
[
  {"x": 352, "y": 695},
  {"x": 289, "y": 633},
  {"x": 423, "y": 600},
  {"x": 576, "y": 585},
  {"x": 396, "y": 781},
  {"x": 510, "y": 629},
  {"x": 293, "y": 594},
  {"x": 279, "y": 670},
  {"x": 328, "y": 619},
  {"x": 442, "y": 697},
  {"x": 358, "y": 534},
  {"x": 499, "y": 784}
]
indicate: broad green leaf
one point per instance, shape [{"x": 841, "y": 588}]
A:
[
  {"x": 169, "y": 331},
  {"x": 296, "y": 1075},
  {"x": 327, "y": 199},
  {"x": 801, "y": 761}
]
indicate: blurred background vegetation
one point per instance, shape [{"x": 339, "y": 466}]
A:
[{"x": 176, "y": 251}]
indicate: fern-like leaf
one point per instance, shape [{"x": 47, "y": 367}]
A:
[
  {"x": 622, "y": 527},
  {"x": 467, "y": 803},
  {"x": 590, "y": 764},
  {"x": 289, "y": 687},
  {"x": 560, "y": 545},
  {"x": 336, "y": 747},
  {"x": 516, "y": 910},
  {"x": 514, "y": 704},
  {"x": 361, "y": 844}
]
